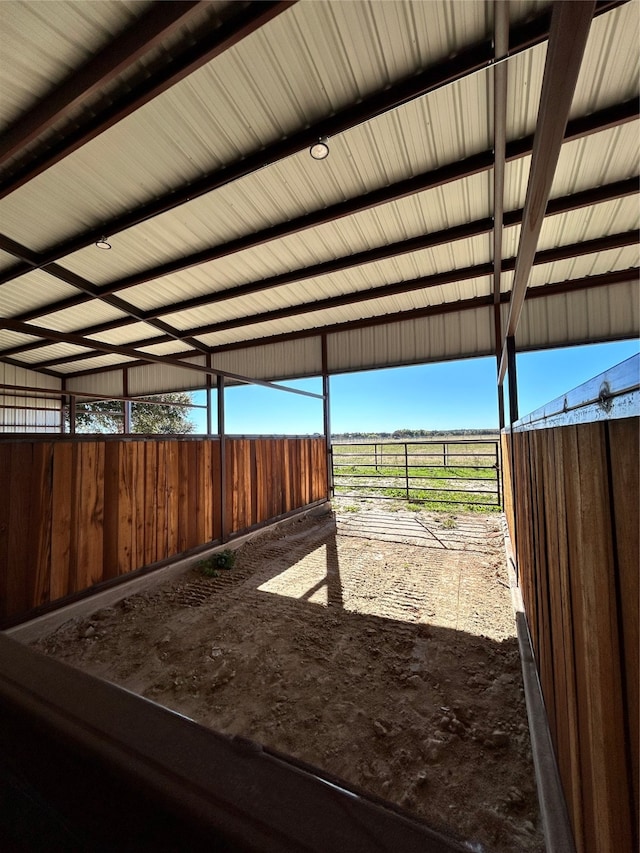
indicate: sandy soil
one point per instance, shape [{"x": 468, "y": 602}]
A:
[{"x": 381, "y": 649}]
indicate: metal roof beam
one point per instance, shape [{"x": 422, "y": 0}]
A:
[
  {"x": 570, "y": 25},
  {"x": 207, "y": 46},
  {"x": 144, "y": 33},
  {"x": 629, "y": 238},
  {"x": 500, "y": 75},
  {"x": 575, "y": 201},
  {"x": 576, "y": 129},
  {"x": 131, "y": 352},
  {"x": 462, "y": 306},
  {"x": 469, "y": 61}
]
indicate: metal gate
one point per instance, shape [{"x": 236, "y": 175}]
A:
[{"x": 433, "y": 473}]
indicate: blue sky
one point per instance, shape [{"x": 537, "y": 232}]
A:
[{"x": 449, "y": 395}]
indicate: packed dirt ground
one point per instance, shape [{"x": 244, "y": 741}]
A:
[{"x": 377, "y": 645}]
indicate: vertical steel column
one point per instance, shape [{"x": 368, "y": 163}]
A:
[
  {"x": 72, "y": 416},
  {"x": 224, "y": 530},
  {"x": 326, "y": 408},
  {"x": 126, "y": 405},
  {"x": 513, "y": 379},
  {"x": 63, "y": 403},
  {"x": 209, "y": 396}
]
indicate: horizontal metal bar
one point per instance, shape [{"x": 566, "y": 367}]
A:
[
  {"x": 416, "y": 500},
  {"x": 613, "y": 394}
]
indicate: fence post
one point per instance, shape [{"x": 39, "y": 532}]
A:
[
  {"x": 406, "y": 469},
  {"x": 444, "y": 454}
]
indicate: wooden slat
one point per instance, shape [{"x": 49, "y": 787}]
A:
[
  {"x": 172, "y": 466},
  {"x": 5, "y": 509},
  {"x": 89, "y": 511},
  {"x": 540, "y": 503},
  {"x": 162, "y": 508},
  {"x": 150, "y": 501},
  {"x": 126, "y": 488},
  {"x": 606, "y": 806},
  {"x": 18, "y": 567},
  {"x": 39, "y": 571},
  {"x": 215, "y": 489},
  {"x": 566, "y": 721},
  {"x": 138, "y": 528},
  {"x": 62, "y": 522},
  {"x": 625, "y": 484}
]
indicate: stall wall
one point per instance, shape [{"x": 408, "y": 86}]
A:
[
  {"x": 75, "y": 513},
  {"x": 571, "y": 500}
]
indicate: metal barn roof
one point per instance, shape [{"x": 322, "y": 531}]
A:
[{"x": 482, "y": 180}]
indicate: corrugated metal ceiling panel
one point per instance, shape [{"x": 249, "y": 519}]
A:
[
  {"x": 586, "y": 265},
  {"x": 283, "y": 360},
  {"x": 607, "y": 218},
  {"x": 610, "y": 70},
  {"x": 596, "y": 160},
  {"x": 31, "y": 291},
  {"x": 81, "y": 316},
  {"x": 47, "y": 352},
  {"x": 100, "y": 362},
  {"x": 31, "y": 61},
  {"x": 109, "y": 382},
  {"x": 159, "y": 378},
  {"x": 412, "y": 341},
  {"x": 580, "y": 317},
  {"x": 220, "y": 112}
]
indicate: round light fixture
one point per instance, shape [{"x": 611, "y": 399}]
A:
[
  {"x": 103, "y": 243},
  {"x": 320, "y": 150}
]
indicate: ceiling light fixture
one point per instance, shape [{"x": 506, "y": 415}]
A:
[
  {"x": 320, "y": 150},
  {"x": 103, "y": 243}
]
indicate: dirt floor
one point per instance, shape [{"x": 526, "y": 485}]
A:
[{"x": 377, "y": 645}]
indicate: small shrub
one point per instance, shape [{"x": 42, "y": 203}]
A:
[
  {"x": 352, "y": 508},
  {"x": 221, "y": 560},
  {"x": 414, "y": 507},
  {"x": 449, "y": 523}
]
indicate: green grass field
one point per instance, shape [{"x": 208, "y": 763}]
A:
[{"x": 438, "y": 475}]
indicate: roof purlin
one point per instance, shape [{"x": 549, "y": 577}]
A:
[
  {"x": 468, "y": 61},
  {"x": 543, "y": 291},
  {"x": 194, "y": 56},
  {"x": 440, "y": 279},
  {"x": 160, "y": 19}
]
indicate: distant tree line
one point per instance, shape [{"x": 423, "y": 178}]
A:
[{"x": 409, "y": 433}]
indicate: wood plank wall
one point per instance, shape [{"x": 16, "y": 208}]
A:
[
  {"x": 76, "y": 513},
  {"x": 574, "y": 524}
]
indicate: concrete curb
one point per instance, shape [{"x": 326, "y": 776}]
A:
[{"x": 28, "y": 632}]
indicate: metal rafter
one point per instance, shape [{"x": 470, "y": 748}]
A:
[
  {"x": 207, "y": 46},
  {"x": 131, "y": 352},
  {"x": 468, "y": 61},
  {"x": 548, "y": 256},
  {"x": 570, "y": 25},
  {"x": 500, "y": 75},
  {"x": 619, "y": 189},
  {"x": 577, "y": 129},
  {"x": 145, "y": 32},
  {"x": 554, "y": 289}
]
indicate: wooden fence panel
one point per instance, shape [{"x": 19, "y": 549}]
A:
[
  {"x": 576, "y": 537},
  {"x": 75, "y": 513},
  {"x": 625, "y": 485}
]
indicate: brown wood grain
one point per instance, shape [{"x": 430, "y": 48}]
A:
[
  {"x": 624, "y": 441},
  {"x": 40, "y": 523},
  {"x": 18, "y": 567},
  {"x": 62, "y": 522},
  {"x": 5, "y": 508},
  {"x": 80, "y": 512},
  {"x": 172, "y": 462}
]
